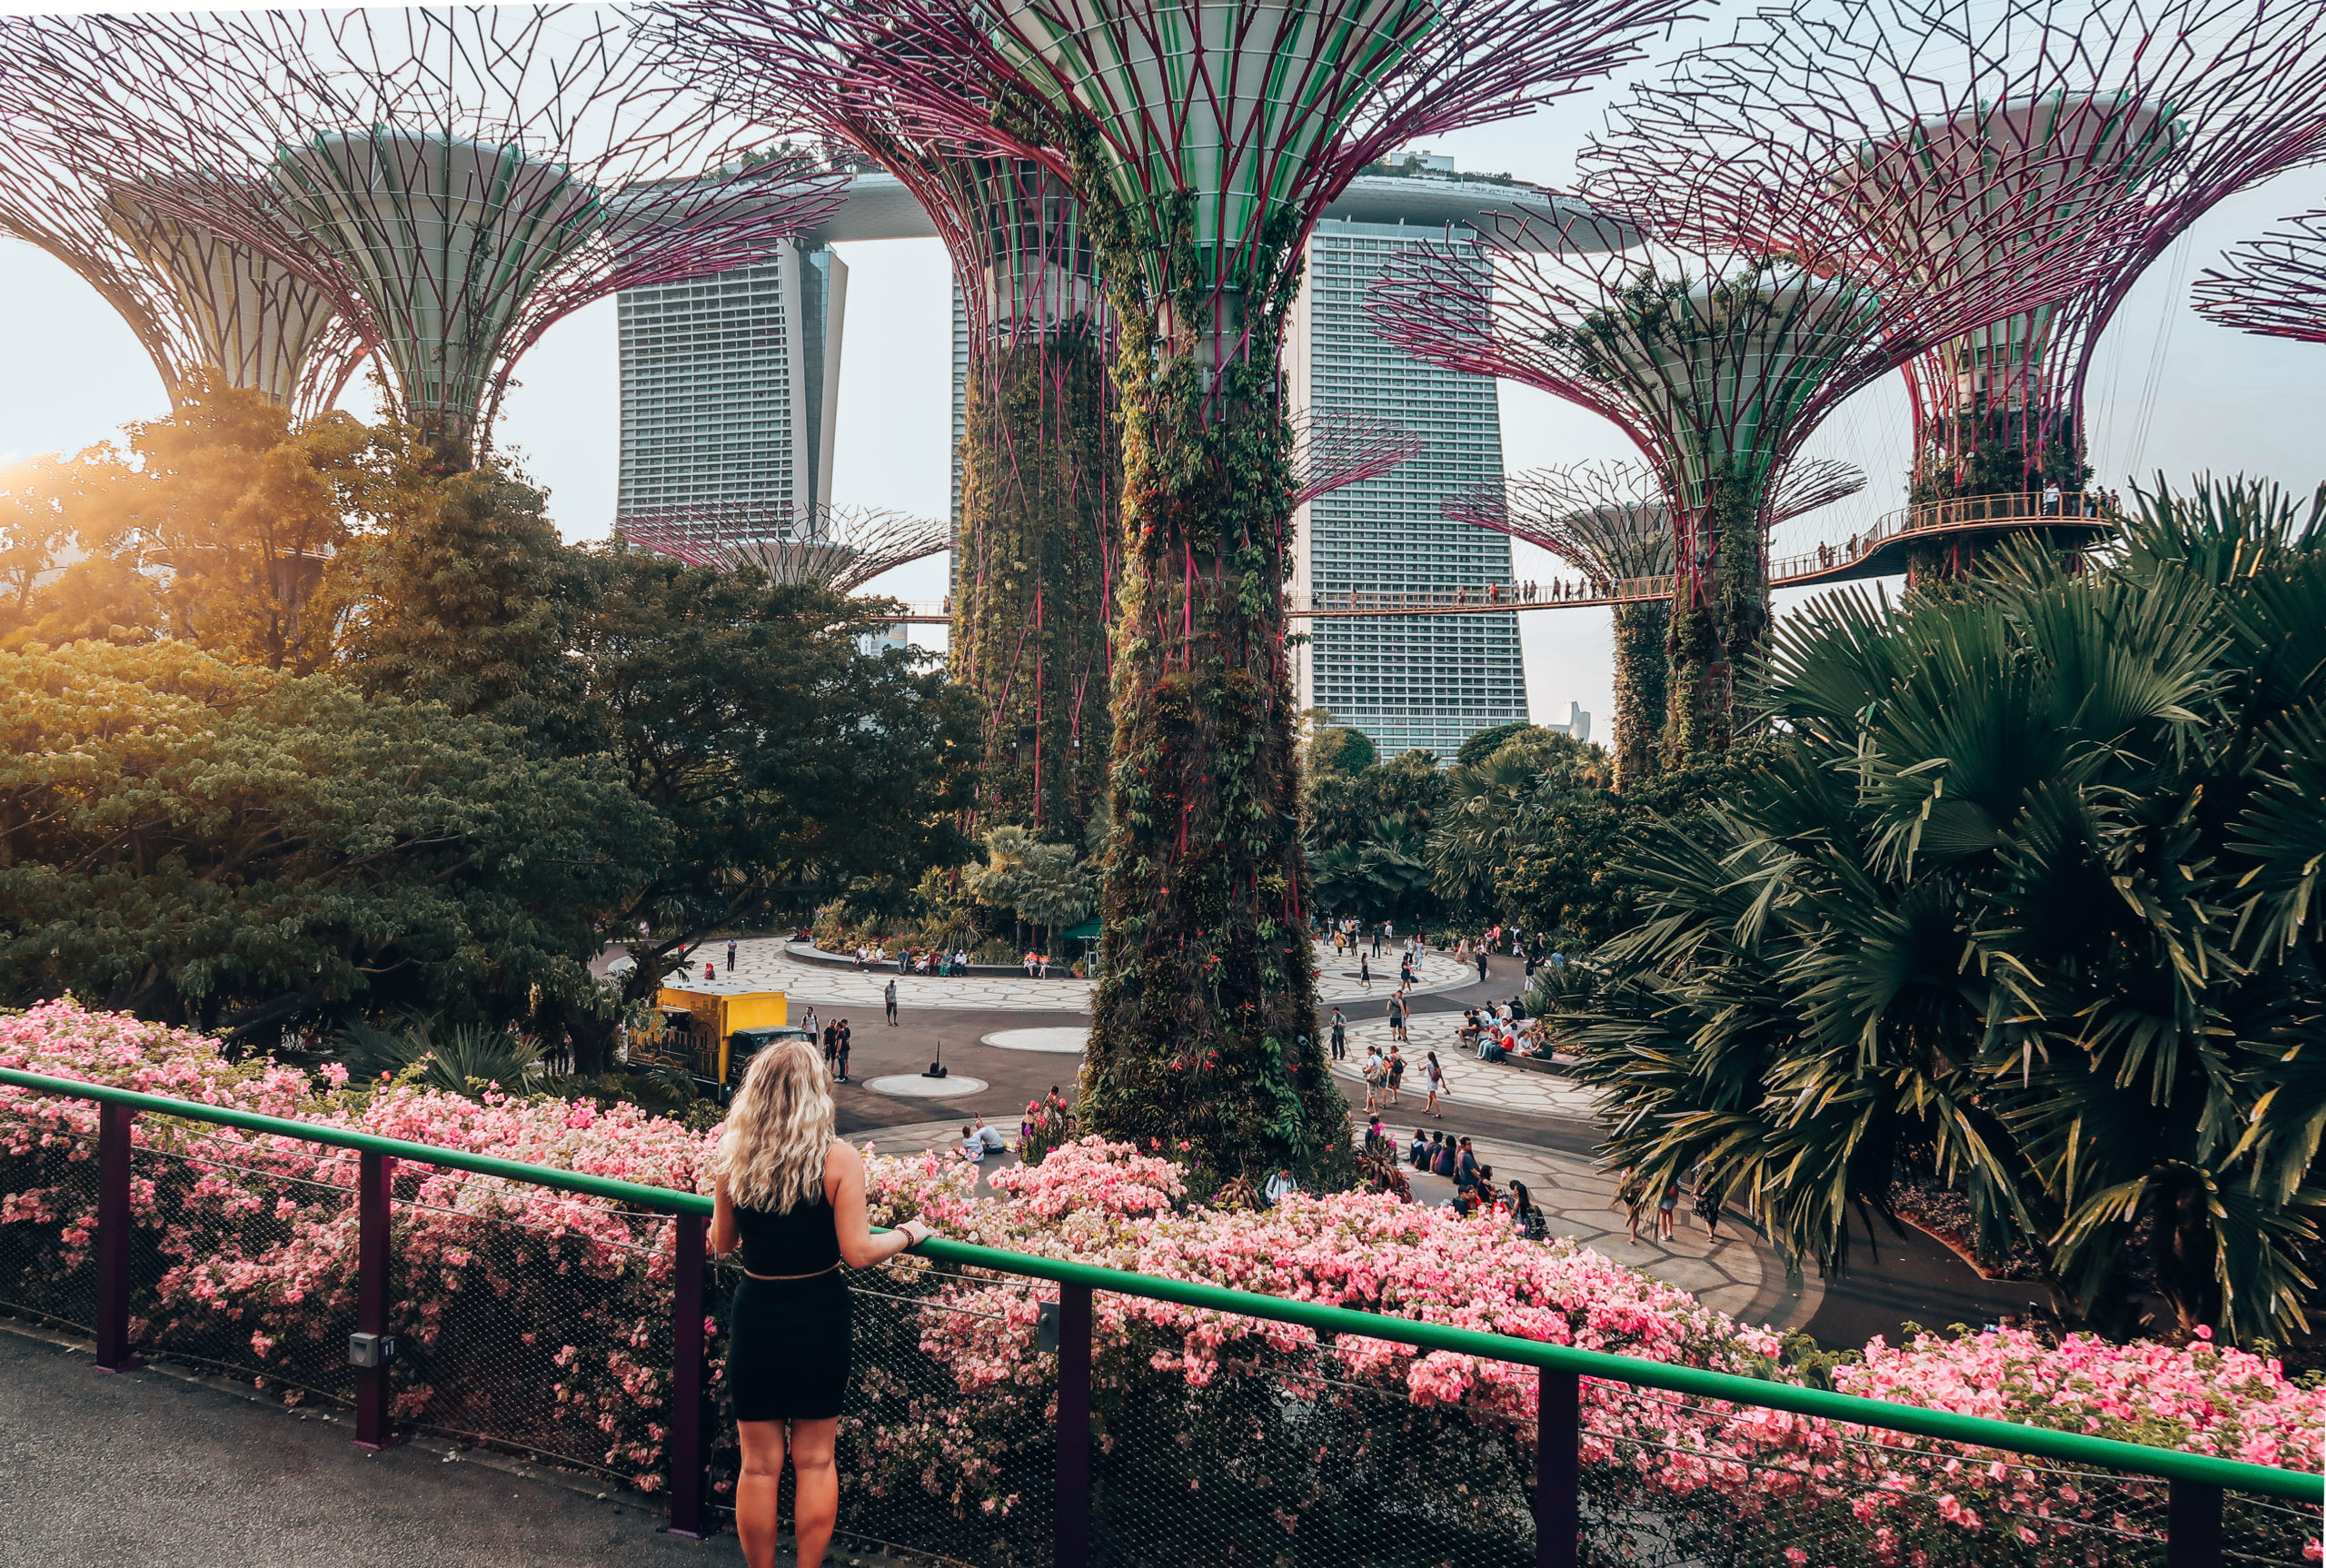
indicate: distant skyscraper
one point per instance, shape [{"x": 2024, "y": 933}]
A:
[
  {"x": 1421, "y": 681},
  {"x": 730, "y": 386}
]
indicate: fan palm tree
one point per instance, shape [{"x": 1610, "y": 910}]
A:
[{"x": 2029, "y": 891}]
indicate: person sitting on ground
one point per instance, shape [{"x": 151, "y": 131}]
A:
[
  {"x": 1280, "y": 1185},
  {"x": 1443, "y": 1158},
  {"x": 1496, "y": 1049},
  {"x": 991, "y": 1137},
  {"x": 1526, "y": 1220},
  {"x": 972, "y": 1145},
  {"x": 1419, "y": 1150},
  {"x": 1029, "y": 961},
  {"x": 1465, "y": 1165}
]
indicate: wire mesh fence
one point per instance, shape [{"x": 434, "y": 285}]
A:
[
  {"x": 48, "y": 1211},
  {"x": 542, "y": 1322}
]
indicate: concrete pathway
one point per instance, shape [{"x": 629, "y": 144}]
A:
[
  {"x": 166, "y": 1469},
  {"x": 1471, "y": 1085},
  {"x": 770, "y": 964}
]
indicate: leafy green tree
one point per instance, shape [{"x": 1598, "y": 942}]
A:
[
  {"x": 1502, "y": 803},
  {"x": 463, "y": 593},
  {"x": 2025, "y": 895},
  {"x": 791, "y": 766},
  {"x": 1490, "y": 740},
  {"x": 230, "y": 847}
]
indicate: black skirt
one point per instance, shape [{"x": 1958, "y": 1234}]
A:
[{"x": 788, "y": 1348}]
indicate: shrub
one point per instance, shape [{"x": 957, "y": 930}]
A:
[{"x": 542, "y": 1320}]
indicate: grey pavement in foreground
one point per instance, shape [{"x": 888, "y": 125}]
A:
[{"x": 148, "y": 1469}]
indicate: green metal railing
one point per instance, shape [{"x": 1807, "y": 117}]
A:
[{"x": 2196, "y": 1482}]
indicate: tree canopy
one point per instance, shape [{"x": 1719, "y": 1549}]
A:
[
  {"x": 2023, "y": 897},
  {"x": 228, "y": 846}
]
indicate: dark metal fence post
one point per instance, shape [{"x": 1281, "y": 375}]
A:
[
  {"x": 112, "y": 1238},
  {"x": 686, "y": 1379},
  {"x": 1558, "y": 1471},
  {"x": 2193, "y": 1526},
  {"x": 373, "y": 1173},
  {"x": 1071, "y": 1546}
]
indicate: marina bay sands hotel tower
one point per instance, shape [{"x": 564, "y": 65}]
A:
[{"x": 729, "y": 395}]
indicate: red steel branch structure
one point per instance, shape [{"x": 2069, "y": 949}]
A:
[
  {"x": 1202, "y": 139},
  {"x": 1760, "y": 299},
  {"x": 841, "y": 548},
  {"x": 2131, "y": 117},
  {"x": 201, "y": 305},
  {"x": 2275, "y": 285},
  {"x": 452, "y": 181},
  {"x": 1032, "y": 564},
  {"x": 1610, "y": 522}
]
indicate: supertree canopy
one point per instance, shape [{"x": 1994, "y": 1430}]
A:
[
  {"x": 2124, "y": 117},
  {"x": 1202, "y": 139},
  {"x": 841, "y": 548},
  {"x": 200, "y": 305},
  {"x": 453, "y": 181},
  {"x": 2275, "y": 285},
  {"x": 1717, "y": 361},
  {"x": 1610, "y": 522},
  {"x": 1333, "y": 448},
  {"x": 1037, "y": 456}
]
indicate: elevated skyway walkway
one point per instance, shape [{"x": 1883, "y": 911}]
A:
[{"x": 2072, "y": 521}]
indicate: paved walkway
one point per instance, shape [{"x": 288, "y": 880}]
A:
[
  {"x": 1470, "y": 1084},
  {"x": 769, "y": 964}
]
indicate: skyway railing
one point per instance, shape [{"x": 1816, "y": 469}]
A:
[{"x": 1576, "y": 1490}]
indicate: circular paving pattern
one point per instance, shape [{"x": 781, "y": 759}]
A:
[
  {"x": 1064, "y": 1041},
  {"x": 913, "y": 1086}
]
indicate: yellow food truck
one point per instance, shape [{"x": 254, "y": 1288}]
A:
[{"x": 713, "y": 1035}]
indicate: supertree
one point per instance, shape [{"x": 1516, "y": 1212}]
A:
[
  {"x": 2275, "y": 285},
  {"x": 2128, "y": 117},
  {"x": 202, "y": 306},
  {"x": 1203, "y": 138},
  {"x": 1032, "y": 561},
  {"x": 1610, "y": 522},
  {"x": 453, "y": 181},
  {"x": 1333, "y": 448},
  {"x": 841, "y": 548}
]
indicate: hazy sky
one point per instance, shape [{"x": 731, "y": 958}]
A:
[{"x": 2171, "y": 392}]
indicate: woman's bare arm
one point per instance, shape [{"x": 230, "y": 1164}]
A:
[
  {"x": 844, "y": 1185},
  {"x": 725, "y": 1234}
]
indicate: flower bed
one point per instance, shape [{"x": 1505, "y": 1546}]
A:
[{"x": 540, "y": 1320}]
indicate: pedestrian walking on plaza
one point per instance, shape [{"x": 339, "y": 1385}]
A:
[
  {"x": 1434, "y": 1076},
  {"x": 1363, "y": 972},
  {"x": 1396, "y": 1073},
  {"x": 831, "y": 1045},
  {"x": 1482, "y": 964},
  {"x": 1708, "y": 1199},
  {"x": 1396, "y": 1016},
  {"x": 730, "y": 954},
  {"x": 1667, "y": 1210},
  {"x": 889, "y": 997},
  {"x": 840, "y": 1058},
  {"x": 1375, "y": 1072},
  {"x": 1377, "y": 937},
  {"x": 790, "y": 1196},
  {"x": 808, "y": 1022},
  {"x": 1340, "y": 1035}
]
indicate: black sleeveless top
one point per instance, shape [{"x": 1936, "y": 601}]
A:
[{"x": 804, "y": 1239}]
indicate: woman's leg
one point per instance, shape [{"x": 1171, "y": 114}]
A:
[
  {"x": 816, "y": 1488},
  {"x": 755, "y": 1522}
]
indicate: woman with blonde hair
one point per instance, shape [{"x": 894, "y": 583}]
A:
[{"x": 792, "y": 1195}]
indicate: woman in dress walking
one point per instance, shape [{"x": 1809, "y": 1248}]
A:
[
  {"x": 792, "y": 1195},
  {"x": 1433, "y": 1078}
]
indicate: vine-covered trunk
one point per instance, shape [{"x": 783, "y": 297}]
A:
[
  {"x": 1642, "y": 629},
  {"x": 1032, "y": 578},
  {"x": 1720, "y": 613},
  {"x": 1204, "y": 1038}
]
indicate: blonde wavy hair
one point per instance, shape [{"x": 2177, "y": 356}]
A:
[{"x": 779, "y": 1130}]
